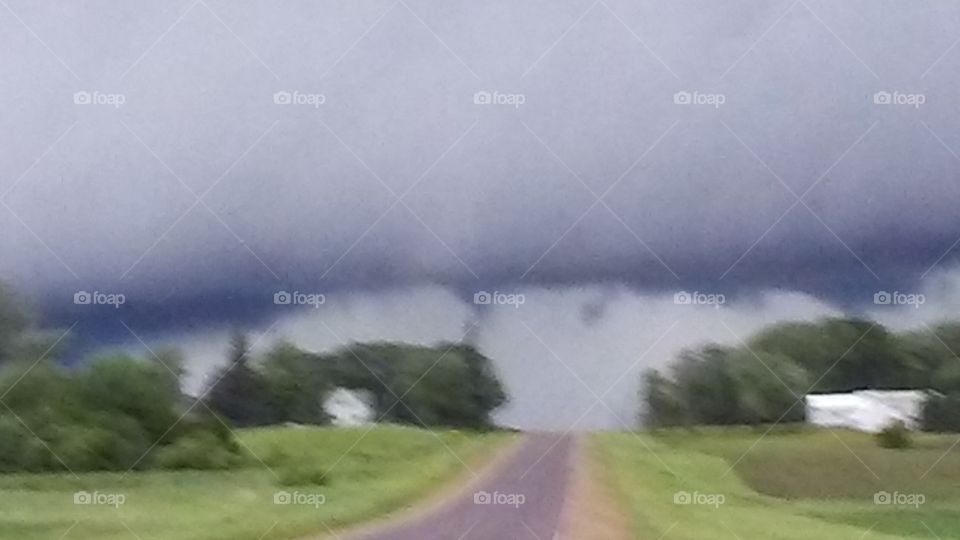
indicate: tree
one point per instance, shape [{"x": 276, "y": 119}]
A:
[
  {"x": 14, "y": 326},
  {"x": 705, "y": 384},
  {"x": 941, "y": 413},
  {"x": 238, "y": 392},
  {"x": 717, "y": 385},
  {"x": 447, "y": 385},
  {"x": 486, "y": 390},
  {"x": 112, "y": 413},
  {"x": 770, "y": 387},
  {"x": 120, "y": 385},
  {"x": 663, "y": 408},
  {"x": 296, "y": 385},
  {"x": 843, "y": 354}
]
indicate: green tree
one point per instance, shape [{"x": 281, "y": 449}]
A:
[
  {"x": 706, "y": 385},
  {"x": 296, "y": 385},
  {"x": 941, "y": 413},
  {"x": 449, "y": 385},
  {"x": 770, "y": 387},
  {"x": 842, "y": 354},
  {"x": 239, "y": 392},
  {"x": 120, "y": 385},
  {"x": 16, "y": 339},
  {"x": 662, "y": 406}
]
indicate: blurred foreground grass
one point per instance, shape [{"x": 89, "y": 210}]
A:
[
  {"x": 354, "y": 474},
  {"x": 801, "y": 485}
]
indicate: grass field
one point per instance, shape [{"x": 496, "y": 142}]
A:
[
  {"x": 791, "y": 486},
  {"x": 387, "y": 469}
]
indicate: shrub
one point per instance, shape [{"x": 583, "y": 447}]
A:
[
  {"x": 121, "y": 385},
  {"x": 195, "y": 451},
  {"x": 100, "y": 447},
  {"x": 104, "y": 416},
  {"x": 895, "y": 435},
  {"x": 21, "y": 451}
]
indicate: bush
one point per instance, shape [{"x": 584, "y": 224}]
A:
[
  {"x": 120, "y": 385},
  {"x": 895, "y": 435},
  {"x": 115, "y": 446},
  {"x": 195, "y": 451},
  {"x": 104, "y": 416},
  {"x": 21, "y": 451}
]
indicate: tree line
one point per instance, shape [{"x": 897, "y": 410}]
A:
[
  {"x": 764, "y": 379},
  {"x": 115, "y": 411},
  {"x": 450, "y": 384}
]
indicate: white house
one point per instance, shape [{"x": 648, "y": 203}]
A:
[
  {"x": 866, "y": 410},
  {"x": 349, "y": 408}
]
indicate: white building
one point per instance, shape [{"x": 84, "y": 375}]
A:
[
  {"x": 349, "y": 408},
  {"x": 866, "y": 410}
]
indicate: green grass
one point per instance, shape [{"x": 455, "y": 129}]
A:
[
  {"x": 789, "y": 485},
  {"x": 387, "y": 469}
]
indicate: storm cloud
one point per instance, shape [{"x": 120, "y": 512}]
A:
[
  {"x": 199, "y": 156},
  {"x": 394, "y": 174}
]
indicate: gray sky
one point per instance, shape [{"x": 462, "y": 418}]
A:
[{"x": 185, "y": 186}]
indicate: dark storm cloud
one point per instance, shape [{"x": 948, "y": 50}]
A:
[
  {"x": 105, "y": 196},
  {"x": 628, "y": 150}
]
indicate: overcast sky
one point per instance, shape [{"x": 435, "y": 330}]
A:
[{"x": 199, "y": 156}]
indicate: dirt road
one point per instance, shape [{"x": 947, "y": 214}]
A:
[{"x": 522, "y": 499}]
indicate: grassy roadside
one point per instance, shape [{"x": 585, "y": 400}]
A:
[
  {"x": 790, "y": 486},
  {"x": 365, "y": 476}
]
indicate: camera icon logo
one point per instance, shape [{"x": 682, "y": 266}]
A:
[
  {"x": 282, "y": 298},
  {"x": 282, "y": 98},
  {"x": 682, "y": 298},
  {"x": 82, "y": 497},
  {"x": 82, "y": 98},
  {"x": 482, "y": 497},
  {"x": 682, "y": 98},
  {"x": 882, "y": 298},
  {"x": 482, "y": 98},
  {"x": 882, "y": 497},
  {"x": 82, "y": 298},
  {"x": 282, "y": 497},
  {"x": 482, "y": 298},
  {"x": 882, "y": 98},
  {"x": 682, "y": 497}
]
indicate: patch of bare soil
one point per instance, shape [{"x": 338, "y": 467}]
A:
[{"x": 592, "y": 510}]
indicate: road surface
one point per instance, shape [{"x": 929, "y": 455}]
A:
[{"x": 521, "y": 499}]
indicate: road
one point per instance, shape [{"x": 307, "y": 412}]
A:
[{"x": 521, "y": 499}]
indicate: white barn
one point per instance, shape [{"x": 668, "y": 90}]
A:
[{"x": 866, "y": 410}]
